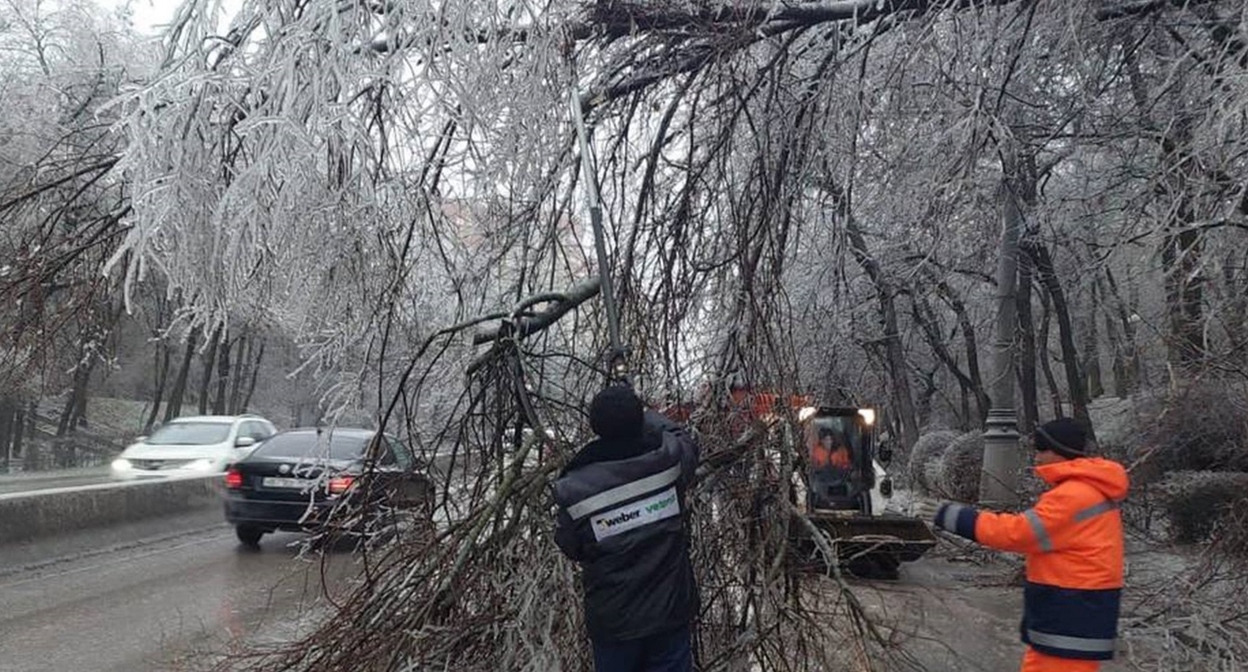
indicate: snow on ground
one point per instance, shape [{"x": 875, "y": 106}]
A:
[{"x": 958, "y": 609}]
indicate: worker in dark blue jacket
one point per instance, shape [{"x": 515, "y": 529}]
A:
[{"x": 622, "y": 517}]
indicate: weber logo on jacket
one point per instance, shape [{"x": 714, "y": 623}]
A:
[{"x": 637, "y": 514}]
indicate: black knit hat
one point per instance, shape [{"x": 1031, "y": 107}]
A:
[
  {"x": 616, "y": 413},
  {"x": 1063, "y": 436}
]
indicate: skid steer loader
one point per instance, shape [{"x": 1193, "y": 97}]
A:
[
  {"x": 844, "y": 489},
  {"x": 841, "y": 485}
]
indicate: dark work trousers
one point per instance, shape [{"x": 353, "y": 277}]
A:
[{"x": 665, "y": 652}]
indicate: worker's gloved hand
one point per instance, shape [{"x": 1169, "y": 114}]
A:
[{"x": 925, "y": 509}]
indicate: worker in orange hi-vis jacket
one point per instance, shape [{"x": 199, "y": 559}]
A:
[
  {"x": 1073, "y": 542},
  {"x": 827, "y": 451}
]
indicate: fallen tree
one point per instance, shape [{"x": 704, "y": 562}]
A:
[{"x": 491, "y": 590}]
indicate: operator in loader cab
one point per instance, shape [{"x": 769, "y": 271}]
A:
[
  {"x": 829, "y": 450},
  {"x": 1073, "y": 542},
  {"x": 622, "y": 517}
]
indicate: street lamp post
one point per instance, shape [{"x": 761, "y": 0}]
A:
[{"x": 999, "y": 480}]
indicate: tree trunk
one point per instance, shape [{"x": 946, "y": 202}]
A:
[
  {"x": 1235, "y": 320},
  {"x": 162, "y": 376},
  {"x": 23, "y": 421},
  {"x": 76, "y": 405},
  {"x": 926, "y": 393},
  {"x": 1066, "y": 336},
  {"x": 1091, "y": 347},
  {"x": 241, "y": 363},
  {"x": 8, "y": 414},
  {"x": 32, "y": 422},
  {"x": 925, "y": 317},
  {"x": 174, "y": 408},
  {"x": 210, "y": 359},
  {"x": 255, "y": 373},
  {"x": 80, "y": 411},
  {"x": 62, "y": 424},
  {"x": 1055, "y": 391},
  {"x": 955, "y": 303},
  {"x": 30, "y": 455},
  {"x": 1181, "y": 250},
  {"x": 92, "y": 350},
  {"x": 1180, "y": 258},
  {"x": 1133, "y": 375},
  {"x": 1122, "y": 387},
  {"x": 895, "y": 354},
  {"x": 1027, "y": 348},
  {"x": 223, "y": 374}
]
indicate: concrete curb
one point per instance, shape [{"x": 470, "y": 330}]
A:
[
  {"x": 26, "y": 516},
  {"x": 55, "y": 475}
]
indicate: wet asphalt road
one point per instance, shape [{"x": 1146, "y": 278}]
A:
[
  {"x": 159, "y": 594},
  {"x": 174, "y": 602}
]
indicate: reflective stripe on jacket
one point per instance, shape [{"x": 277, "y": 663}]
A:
[
  {"x": 623, "y": 520},
  {"x": 1073, "y": 542}
]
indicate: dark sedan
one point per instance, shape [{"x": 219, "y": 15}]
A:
[{"x": 308, "y": 479}]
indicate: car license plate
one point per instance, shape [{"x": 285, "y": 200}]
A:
[{"x": 288, "y": 483}]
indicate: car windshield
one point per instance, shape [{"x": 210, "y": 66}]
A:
[
  {"x": 308, "y": 444},
  {"x": 190, "y": 434}
]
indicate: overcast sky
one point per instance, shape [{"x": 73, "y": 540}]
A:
[{"x": 149, "y": 15}]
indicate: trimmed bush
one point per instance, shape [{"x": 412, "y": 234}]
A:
[
  {"x": 1197, "y": 503},
  {"x": 1203, "y": 428},
  {"x": 960, "y": 468},
  {"x": 924, "y": 465}
]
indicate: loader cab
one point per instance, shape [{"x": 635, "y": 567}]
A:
[{"x": 840, "y": 459}]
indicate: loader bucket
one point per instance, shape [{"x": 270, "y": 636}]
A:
[{"x": 873, "y": 546}]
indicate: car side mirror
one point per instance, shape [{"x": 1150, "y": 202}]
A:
[{"x": 244, "y": 442}]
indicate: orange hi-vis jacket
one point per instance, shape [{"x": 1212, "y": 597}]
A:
[
  {"x": 1073, "y": 541},
  {"x": 839, "y": 458}
]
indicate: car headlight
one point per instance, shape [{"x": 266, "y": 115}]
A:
[
  {"x": 121, "y": 464},
  {"x": 201, "y": 465}
]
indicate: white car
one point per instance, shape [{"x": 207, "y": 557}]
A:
[{"x": 201, "y": 444}]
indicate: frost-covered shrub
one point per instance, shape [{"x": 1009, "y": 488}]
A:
[
  {"x": 1197, "y": 503},
  {"x": 960, "y": 468},
  {"x": 1203, "y": 428},
  {"x": 924, "y": 465},
  {"x": 1230, "y": 533}
]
